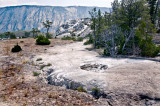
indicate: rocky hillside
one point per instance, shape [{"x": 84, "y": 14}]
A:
[
  {"x": 17, "y": 18},
  {"x": 79, "y": 27}
]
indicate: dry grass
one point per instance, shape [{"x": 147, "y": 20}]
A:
[
  {"x": 16, "y": 87},
  {"x": 28, "y": 46}
]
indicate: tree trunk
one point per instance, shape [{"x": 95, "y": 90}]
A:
[
  {"x": 133, "y": 46},
  {"x": 127, "y": 39},
  {"x": 113, "y": 46},
  {"x": 33, "y": 35},
  {"x": 47, "y": 33}
]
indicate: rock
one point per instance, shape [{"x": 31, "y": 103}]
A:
[
  {"x": 94, "y": 67},
  {"x": 79, "y": 27}
]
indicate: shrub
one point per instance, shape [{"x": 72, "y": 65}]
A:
[
  {"x": 105, "y": 53},
  {"x": 96, "y": 92},
  {"x": 148, "y": 48},
  {"x": 36, "y": 74},
  {"x": 90, "y": 41},
  {"x": 41, "y": 40},
  {"x": 49, "y": 64},
  {"x": 39, "y": 59},
  {"x": 21, "y": 41},
  {"x": 16, "y": 48},
  {"x": 69, "y": 38},
  {"x": 24, "y": 37},
  {"x": 13, "y": 36},
  {"x": 42, "y": 66},
  {"x": 80, "y": 39},
  {"x": 81, "y": 89}
]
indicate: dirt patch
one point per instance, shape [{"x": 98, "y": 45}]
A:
[
  {"x": 29, "y": 45},
  {"x": 19, "y": 86}
]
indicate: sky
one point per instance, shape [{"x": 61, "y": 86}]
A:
[{"x": 98, "y": 3}]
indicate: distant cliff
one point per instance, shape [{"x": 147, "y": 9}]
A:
[{"x": 17, "y": 18}]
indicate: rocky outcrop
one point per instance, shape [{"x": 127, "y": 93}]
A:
[
  {"x": 79, "y": 27},
  {"x": 17, "y": 18}
]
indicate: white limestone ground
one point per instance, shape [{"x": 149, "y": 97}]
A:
[{"x": 123, "y": 75}]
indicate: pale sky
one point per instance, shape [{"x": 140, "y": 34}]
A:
[{"x": 98, "y": 3}]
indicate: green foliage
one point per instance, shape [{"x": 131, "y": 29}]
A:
[
  {"x": 81, "y": 89},
  {"x": 68, "y": 38},
  {"x": 12, "y": 36},
  {"x": 120, "y": 48},
  {"x": 41, "y": 40},
  {"x": 35, "y": 32},
  {"x": 127, "y": 29},
  {"x": 26, "y": 34},
  {"x": 49, "y": 64},
  {"x": 1, "y": 35},
  {"x": 16, "y": 48},
  {"x": 80, "y": 39},
  {"x": 47, "y": 25},
  {"x": 95, "y": 91},
  {"x": 36, "y": 74},
  {"x": 90, "y": 41},
  {"x": 152, "y": 10},
  {"x": 148, "y": 48},
  {"x": 49, "y": 36},
  {"x": 42, "y": 66},
  {"x": 106, "y": 53},
  {"x": 39, "y": 59}
]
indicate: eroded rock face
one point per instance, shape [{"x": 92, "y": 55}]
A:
[
  {"x": 79, "y": 27},
  {"x": 16, "y": 18},
  {"x": 94, "y": 67}
]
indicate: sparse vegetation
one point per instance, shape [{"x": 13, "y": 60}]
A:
[
  {"x": 48, "y": 65},
  {"x": 35, "y": 31},
  {"x": 68, "y": 38},
  {"x": 25, "y": 62},
  {"x": 42, "y": 66},
  {"x": 80, "y": 39},
  {"x": 95, "y": 92},
  {"x": 36, "y": 74},
  {"x": 90, "y": 41},
  {"x": 21, "y": 41},
  {"x": 81, "y": 89},
  {"x": 47, "y": 25}
]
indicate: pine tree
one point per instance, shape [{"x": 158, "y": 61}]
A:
[
  {"x": 152, "y": 9},
  {"x": 93, "y": 15}
]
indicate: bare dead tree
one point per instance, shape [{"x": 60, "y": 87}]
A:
[{"x": 110, "y": 35}]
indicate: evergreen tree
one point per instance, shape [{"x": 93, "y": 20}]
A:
[
  {"x": 152, "y": 9},
  {"x": 93, "y": 15}
]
